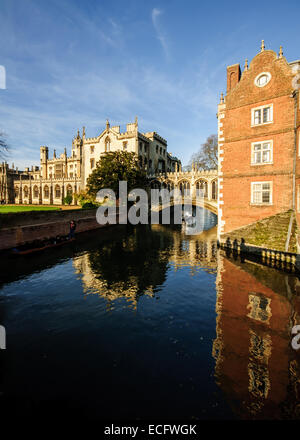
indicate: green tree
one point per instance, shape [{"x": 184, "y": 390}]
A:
[
  {"x": 113, "y": 167},
  {"x": 68, "y": 199},
  {"x": 207, "y": 157}
]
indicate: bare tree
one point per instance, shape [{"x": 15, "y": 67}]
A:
[
  {"x": 207, "y": 157},
  {"x": 3, "y": 145}
]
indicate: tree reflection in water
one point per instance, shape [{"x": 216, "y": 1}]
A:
[{"x": 137, "y": 264}]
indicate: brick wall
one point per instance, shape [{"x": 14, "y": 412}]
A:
[{"x": 237, "y": 134}]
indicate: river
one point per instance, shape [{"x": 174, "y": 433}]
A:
[{"x": 147, "y": 322}]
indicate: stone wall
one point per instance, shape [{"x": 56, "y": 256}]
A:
[{"x": 45, "y": 227}]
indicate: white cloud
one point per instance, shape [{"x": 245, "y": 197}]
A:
[{"x": 159, "y": 32}]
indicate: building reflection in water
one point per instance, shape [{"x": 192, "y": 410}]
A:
[
  {"x": 256, "y": 367},
  {"x": 256, "y": 308},
  {"x": 114, "y": 271}
]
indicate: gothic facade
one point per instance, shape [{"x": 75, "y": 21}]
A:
[{"x": 64, "y": 175}]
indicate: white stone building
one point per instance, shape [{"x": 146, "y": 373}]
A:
[{"x": 61, "y": 175}]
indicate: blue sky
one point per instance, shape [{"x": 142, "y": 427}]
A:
[{"x": 71, "y": 63}]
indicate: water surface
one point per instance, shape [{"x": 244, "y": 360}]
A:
[{"x": 147, "y": 323}]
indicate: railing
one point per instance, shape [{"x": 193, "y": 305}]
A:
[{"x": 278, "y": 259}]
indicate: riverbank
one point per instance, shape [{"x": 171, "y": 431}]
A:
[{"x": 22, "y": 228}]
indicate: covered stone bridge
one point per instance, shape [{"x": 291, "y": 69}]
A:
[{"x": 197, "y": 184}]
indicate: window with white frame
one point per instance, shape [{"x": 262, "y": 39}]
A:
[
  {"x": 262, "y": 115},
  {"x": 262, "y": 79},
  {"x": 261, "y": 193},
  {"x": 262, "y": 153}
]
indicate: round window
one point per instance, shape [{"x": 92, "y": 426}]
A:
[{"x": 262, "y": 79}]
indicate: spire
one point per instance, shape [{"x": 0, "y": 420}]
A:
[
  {"x": 246, "y": 65},
  {"x": 83, "y": 132},
  {"x": 280, "y": 52},
  {"x": 107, "y": 124},
  {"x": 222, "y": 99},
  {"x": 54, "y": 154},
  {"x": 78, "y": 134},
  {"x": 136, "y": 121},
  {"x": 262, "y": 47}
]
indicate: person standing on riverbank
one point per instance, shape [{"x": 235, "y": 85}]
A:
[{"x": 72, "y": 229}]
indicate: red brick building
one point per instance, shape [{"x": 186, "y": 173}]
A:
[{"x": 259, "y": 145}]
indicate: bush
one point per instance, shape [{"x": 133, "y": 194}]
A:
[
  {"x": 89, "y": 205},
  {"x": 68, "y": 199},
  {"x": 85, "y": 200}
]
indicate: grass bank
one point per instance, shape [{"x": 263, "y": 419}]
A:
[{"x": 8, "y": 209}]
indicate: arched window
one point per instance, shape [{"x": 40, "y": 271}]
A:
[
  {"x": 170, "y": 186},
  {"x": 184, "y": 187},
  {"x": 214, "y": 190},
  {"x": 46, "y": 192},
  {"x": 232, "y": 79},
  {"x": 16, "y": 191},
  {"x": 25, "y": 191},
  {"x": 155, "y": 184},
  {"x": 69, "y": 190},
  {"x": 107, "y": 144},
  {"x": 201, "y": 188},
  {"x": 35, "y": 192},
  {"x": 57, "y": 191}
]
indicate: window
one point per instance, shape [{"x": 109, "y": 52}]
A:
[
  {"x": 124, "y": 145},
  {"x": 184, "y": 188},
  {"x": 57, "y": 191},
  {"x": 92, "y": 163},
  {"x": 262, "y": 153},
  {"x": 92, "y": 149},
  {"x": 35, "y": 192},
  {"x": 156, "y": 149},
  {"x": 46, "y": 192},
  {"x": 262, "y": 79},
  {"x": 261, "y": 193},
  {"x": 262, "y": 115},
  {"x": 107, "y": 144}
]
